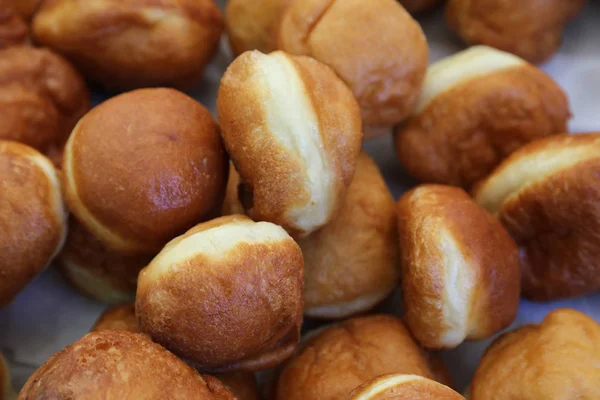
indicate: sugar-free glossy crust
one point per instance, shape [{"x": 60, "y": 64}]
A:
[
  {"x": 341, "y": 357},
  {"x": 41, "y": 97},
  {"x": 547, "y": 195},
  {"x": 530, "y": 29},
  {"x": 119, "y": 365},
  {"x": 253, "y": 25},
  {"x": 97, "y": 271},
  {"x": 418, "y": 6},
  {"x": 293, "y": 131},
  {"x": 460, "y": 268},
  {"x": 128, "y": 44},
  {"x": 13, "y": 30},
  {"x": 375, "y": 47},
  {"x": 227, "y": 295},
  {"x": 32, "y": 216},
  {"x": 403, "y": 387},
  {"x": 557, "y": 359},
  {"x": 351, "y": 264},
  {"x": 143, "y": 167},
  {"x": 477, "y": 107}
]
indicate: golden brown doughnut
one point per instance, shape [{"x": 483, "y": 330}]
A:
[
  {"x": 293, "y": 131},
  {"x": 460, "y": 268},
  {"x": 253, "y": 25},
  {"x": 557, "y": 359},
  {"x": 143, "y": 167},
  {"x": 13, "y": 30},
  {"x": 119, "y": 365},
  {"x": 242, "y": 384},
  {"x": 531, "y": 29},
  {"x": 41, "y": 97},
  {"x": 419, "y": 6},
  {"x": 398, "y": 386},
  {"x": 95, "y": 270},
  {"x": 476, "y": 108},
  {"x": 547, "y": 195},
  {"x": 119, "y": 317},
  {"x": 6, "y": 391},
  {"x": 227, "y": 295},
  {"x": 24, "y": 8},
  {"x": 352, "y": 263},
  {"x": 341, "y": 357},
  {"x": 33, "y": 218},
  {"x": 129, "y": 44},
  {"x": 232, "y": 204},
  {"x": 376, "y": 47}
]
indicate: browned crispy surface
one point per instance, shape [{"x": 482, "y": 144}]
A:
[
  {"x": 468, "y": 129},
  {"x": 397, "y": 386},
  {"x": 557, "y": 359},
  {"x": 530, "y": 29},
  {"x": 128, "y": 44},
  {"x": 119, "y": 365}
]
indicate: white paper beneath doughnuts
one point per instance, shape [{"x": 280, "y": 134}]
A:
[{"x": 49, "y": 315}]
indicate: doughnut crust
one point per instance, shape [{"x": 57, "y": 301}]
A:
[
  {"x": 33, "y": 218},
  {"x": 476, "y": 108},
  {"x": 293, "y": 132},
  {"x": 341, "y": 357},
  {"x": 460, "y": 268},
  {"x": 119, "y": 365},
  {"x": 24, "y": 8},
  {"x": 376, "y": 47},
  {"x": 547, "y": 195},
  {"x": 530, "y": 29},
  {"x": 557, "y": 359},
  {"x": 227, "y": 295},
  {"x": 13, "y": 30},
  {"x": 41, "y": 97},
  {"x": 163, "y": 169},
  {"x": 130, "y": 44},
  {"x": 398, "y": 386},
  {"x": 352, "y": 263},
  {"x": 119, "y": 317}
]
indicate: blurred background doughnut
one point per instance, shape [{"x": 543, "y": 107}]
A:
[
  {"x": 142, "y": 167},
  {"x": 13, "y": 30},
  {"x": 120, "y": 317},
  {"x": 227, "y": 295},
  {"x": 293, "y": 132},
  {"x": 32, "y": 216},
  {"x": 460, "y": 268},
  {"x": 26, "y": 9},
  {"x": 547, "y": 195},
  {"x": 119, "y": 365},
  {"x": 341, "y": 357},
  {"x": 352, "y": 263},
  {"x": 131, "y": 44},
  {"x": 557, "y": 359},
  {"x": 477, "y": 107},
  {"x": 398, "y": 386},
  {"x": 419, "y": 6},
  {"x": 41, "y": 97},
  {"x": 530, "y": 29}
]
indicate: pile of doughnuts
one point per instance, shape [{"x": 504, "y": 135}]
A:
[{"x": 214, "y": 240}]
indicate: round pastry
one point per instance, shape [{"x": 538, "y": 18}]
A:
[
  {"x": 119, "y": 317},
  {"x": 419, "y": 6},
  {"x": 24, "y": 8},
  {"x": 32, "y": 216},
  {"x": 293, "y": 131},
  {"x": 530, "y": 29},
  {"x": 398, "y": 386},
  {"x": 129, "y": 44},
  {"x": 97, "y": 271},
  {"x": 351, "y": 264},
  {"x": 41, "y": 97},
  {"x": 242, "y": 384},
  {"x": 547, "y": 194},
  {"x": 227, "y": 295},
  {"x": 143, "y": 167},
  {"x": 376, "y": 47},
  {"x": 341, "y": 357},
  {"x": 6, "y": 391},
  {"x": 460, "y": 268},
  {"x": 232, "y": 204},
  {"x": 13, "y": 30},
  {"x": 253, "y": 25},
  {"x": 557, "y": 359},
  {"x": 119, "y": 365},
  {"x": 476, "y": 108}
]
